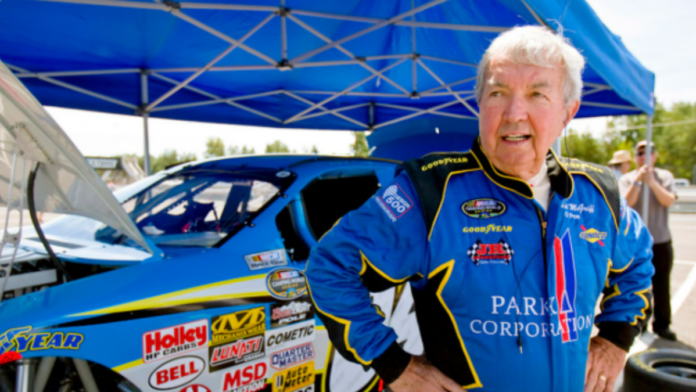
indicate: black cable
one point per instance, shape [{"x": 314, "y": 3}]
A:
[{"x": 37, "y": 226}]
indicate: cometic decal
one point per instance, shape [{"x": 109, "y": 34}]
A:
[
  {"x": 177, "y": 372},
  {"x": 500, "y": 253},
  {"x": 250, "y": 378},
  {"x": 394, "y": 202},
  {"x": 292, "y": 335},
  {"x": 20, "y": 340},
  {"x": 272, "y": 258},
  {"x": 233, "y": 326},
  {"x": 239, "y": 351},
  {"x": 566, "y": 286},
  {"x": 483, "y": 208},
  {"x": 294, "y": 379},
  {"x": 286, "y": 313},
  {"x": 292, "y": 356},
  {"x": 167, "y": 342},
  {"x": 593, "y": 235},
  {"x": 286, "y": 284}
]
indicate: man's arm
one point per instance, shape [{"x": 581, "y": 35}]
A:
[
  {"x": 626, "y": 301},
  {"x": 378, "y": 246},
  {"x": 630, "y": 190},
  {"x": 664, "y": 193}
]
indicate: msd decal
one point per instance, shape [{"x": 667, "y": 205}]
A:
[
  {"x": 566, "y": 286},
  {"x": 250, "y": 378},
  {"x": 177, "y": 372},
  {"x": 500, "y": 253},
  {"x": 394, "y": 202},
  {"x": 242, "y": 350},
  {"x": 170, "y": 341}
]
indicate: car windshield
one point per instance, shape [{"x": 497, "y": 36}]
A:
[{"x": 195, "y": 208}]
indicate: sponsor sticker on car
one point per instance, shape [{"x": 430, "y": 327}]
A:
[
  {"x": 497, "y": 253},
  {"x": 167, "y": 342},
  {"x": 286, "y": 313},
  {"x": 195, "y": 388},
  {"x": 177, "y": 372},
  {"x": 483, "y": 208},
  {"x": 240, "y": 351},
  {"x": 249, "y": 378},
  {"x": 271, "y": 258},
  {"x": 286, "y": 283},
  {"x": 394, "y": 202},
  {"x": 292, "y": 356},
  {"x": 294, "y": 379},
  {"x": 292, "y": 335},
  {"x": 233, "y": 326},
  {"x": 20, "y": 340}
]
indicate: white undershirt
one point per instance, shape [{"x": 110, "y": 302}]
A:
[{"x": 541, "y": 185}]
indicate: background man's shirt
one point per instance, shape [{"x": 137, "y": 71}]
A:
[{"x": 658, "y": 217}]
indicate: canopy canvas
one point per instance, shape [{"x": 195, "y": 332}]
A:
[{"x": 384, "y": 66}]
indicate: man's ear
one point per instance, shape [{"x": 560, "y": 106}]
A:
[{"x": 571, "y": 110}]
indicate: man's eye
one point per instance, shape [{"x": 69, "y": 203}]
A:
[
  {"x": 496, "y": 93},
  {"x": 537, "y": 94}
]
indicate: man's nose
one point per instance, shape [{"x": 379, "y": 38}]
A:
[{"x": 516, "y": 110}]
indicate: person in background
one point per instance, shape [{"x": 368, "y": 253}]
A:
[
  {"x": 620, "y": 163},
  {"x": 661, "y": 196}
]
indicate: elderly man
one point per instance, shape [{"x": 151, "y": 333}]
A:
[{"x": 507, "y": 248}]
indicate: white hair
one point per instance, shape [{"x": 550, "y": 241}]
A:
[{"x": 539, "y": 46}]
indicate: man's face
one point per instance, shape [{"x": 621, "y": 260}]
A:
[
  {"x": 640, "y": 157},
  {"x": 522, "y": 112}
]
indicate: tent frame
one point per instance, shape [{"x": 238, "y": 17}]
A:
[{"x": 313, "y": 109}]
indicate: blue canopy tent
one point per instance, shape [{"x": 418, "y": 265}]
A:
[{"x": 404, "y": 69}]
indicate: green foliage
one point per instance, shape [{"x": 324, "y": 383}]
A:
[
  {"x": 277, "y": 147},
  {"x": 360, "y": 148},
  {"x": 235, "y": 150},
  {"x": 214, "y": 147},
  {"x": 167, "y": 159}
]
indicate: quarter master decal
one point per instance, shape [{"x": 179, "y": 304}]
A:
[
  {"x": 483, "y": 208},
  {"x": 286, "y": 284}
]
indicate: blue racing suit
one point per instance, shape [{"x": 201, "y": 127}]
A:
[{"x": 505, "y": 292}]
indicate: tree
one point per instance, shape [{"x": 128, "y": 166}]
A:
[
  {"x": 235, "y": 150},
  {"x": 167, "y": 159},
  {"x": 276, "y": 147},
  {"x": 214, "y": 147},
  {"x": 360, "y": 148}
]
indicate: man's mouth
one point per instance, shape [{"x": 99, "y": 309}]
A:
[{"x": 516, "y": 138}]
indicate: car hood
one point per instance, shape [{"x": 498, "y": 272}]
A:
[{"x": 65, "y": 183}]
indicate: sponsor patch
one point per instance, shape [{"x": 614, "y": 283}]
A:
[
  {"x": 566, "y": 286},
  {"x": 233, "y": 326},
  {"x": 286, "y": 313},
  {"x": 483, "y": 208},
  {"x": 286, "y": 284},
  {"x": 20, "y": 340},
  {"x": 250, "y": 378},
  {"x": 295, "y": 378},
  {"x": 271, "y": 258},
  {"x": 500, "y": 253},
  {"x": 239, "y": 351},
  {"x": 593, "y": 235},
  {"x": 394, "y": 202},
  {"x": 444, "y": 161},
  {"x": 195, "y": 388},
  {"x": 177, "y": 372},
  {"x": 167, "y": 342},
  {"x": 292, "y": 335},
  {"x": 487, "y": 229},
  {"x": 292, "y": 356}
]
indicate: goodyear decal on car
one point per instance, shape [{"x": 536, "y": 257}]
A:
[
  {"x": 20, "y": 340},
  {"x": 294, "y": 379},
  {"x": 483, "y": 208},
  {"x": 272, "y": 258},
  {"x": 233, "y": 326},
  {"x": 286, "y": 284}
]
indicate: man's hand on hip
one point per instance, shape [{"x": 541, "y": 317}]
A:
[
  {"x": 604, "y": 363},
  {"x": 420, "y": 375}
]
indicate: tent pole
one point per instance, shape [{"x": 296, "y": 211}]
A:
[
  {"x": 648, "y": 159},
  {"x": 145, "y": 114}
]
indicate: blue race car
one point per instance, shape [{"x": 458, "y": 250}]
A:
[{"x": 222, "y": 305}]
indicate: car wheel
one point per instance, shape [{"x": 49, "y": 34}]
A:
[{"x": 665, "y": 370}]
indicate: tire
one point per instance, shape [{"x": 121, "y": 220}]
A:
[{"x": 663, "y": 370}]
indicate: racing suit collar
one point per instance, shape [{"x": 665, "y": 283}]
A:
[{"x": 561, "y": 180}]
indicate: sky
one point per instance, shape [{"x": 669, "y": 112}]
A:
[{"x": 660, "y": 35}]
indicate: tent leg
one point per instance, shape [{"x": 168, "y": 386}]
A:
[
  {"x": 648, "y": 159},
  {"x": 146, "y": 139}
]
